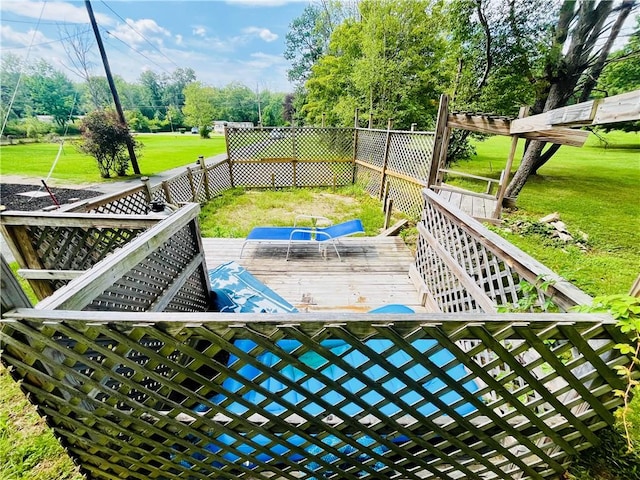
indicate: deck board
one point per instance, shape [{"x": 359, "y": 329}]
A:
[{"x": 374, "y": 271}]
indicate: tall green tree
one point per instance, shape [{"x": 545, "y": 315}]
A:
[
  {"x": 199, "y": 107},
  {"x": 390, "y": 64},
  {"x": 51, "y": 92},
  {"x": 540, "y": 52}
]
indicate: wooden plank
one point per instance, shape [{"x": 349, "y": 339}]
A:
[
  {"x": 394, "y": 229},
  {"x": 82, "y": 220},
  {"x": 31, "y": 274},
  {"x": 619, "y": 108},
  {"x": 480, "y": 124},
  {"x": 12, "y": 294},
  {"x": 558, "y": 135}
]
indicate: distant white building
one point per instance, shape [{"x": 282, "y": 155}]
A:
[{"x": 218, "y": 125}]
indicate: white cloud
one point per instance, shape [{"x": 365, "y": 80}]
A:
[
  {"x": 135, "y": 31},
  {"x": 179, "y": 39},
  {"x": 199, "y": 31},
  {"x": 23, "y": 39},
  {"x": 264, "y": 60},
  {"x": 264, "y": 33},
  {"x": 53, "y": 11}
]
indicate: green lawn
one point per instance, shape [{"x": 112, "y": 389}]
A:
[
  {"x": 595, "y": 190},
  {"x": 159, "y": 152}
]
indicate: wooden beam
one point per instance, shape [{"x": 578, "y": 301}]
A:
[
  {"x": 619, "y": 108},
  {"x": 481, "y": 124},
  {"x": 478, "y": 123}
]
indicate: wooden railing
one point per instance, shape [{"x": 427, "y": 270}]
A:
[
  {"x": 52, "y": 248},
  {"x": 461, "y": 266},
  {"x": 159, "y": 395}
]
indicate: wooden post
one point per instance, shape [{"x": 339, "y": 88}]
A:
[
  {"x": 205, "y": 177},
  {"x": 370, "y": 120},
  {"x": 18, "y": 240},
  {"x": 226, "y": 139},
  {"x": 167, "y": 192},
  {"x": 273, "y": 181},
  {"x": 387, "y": 217},
  {"x": 413, "y": 127},
  {"x": 147, "y": 188},
  {"x": 440, "y": 140},
  {"x": 507, "y": 169},
  {"x": 355, "y": 147},
  {"x": 12, "y": 294},
  {"x": 324, "y": 118},
  {"x": 386, "y": 158}
]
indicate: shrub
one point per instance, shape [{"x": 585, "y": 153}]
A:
[{"x": 105, "y": 138}]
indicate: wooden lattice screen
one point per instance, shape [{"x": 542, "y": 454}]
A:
[
  {"x": 290, "y": 157},
  {"x": 162, "y": 269},
  {"x": 461, "y": 266},
  {"x": 53, "y": 248},
  {"x": 394, "y": 165},
  {"x": 165, "y": 396}
]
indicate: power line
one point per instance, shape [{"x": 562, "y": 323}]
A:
[
  {"x": 145, "y": 38},
  {"x": 111, "y": 34}
]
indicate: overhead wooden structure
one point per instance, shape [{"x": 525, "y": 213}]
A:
[{"x": 555, "y": 126}]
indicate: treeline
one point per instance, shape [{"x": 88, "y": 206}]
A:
[
  {"x": 155, "y": 102},
  {"x": 393, "y": 60}
]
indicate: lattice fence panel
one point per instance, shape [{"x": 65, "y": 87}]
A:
[
  {"x": 406, "y": 196},
  {"x": 142, "y": 287},
  {"x": 257, "y": 144},
  {"x": 355, "y": 399},
  {"x": 490, "y": 272},
  {"x": 197, "y": 176},
  {"x": 180, "y": 188},
  {"x": 323, "y": 174},
  {"x": 369, "y": 179},
  {"x": 133, "y": 203},
  {"x": 322, "y": 143},
  {"x": 370, "y": 146},
  {"x": 219, "y": 178},
  {"x": 158, "y": 195},
  {"x": 263, "y": 174},
  {"x": 410, "y": 154}
]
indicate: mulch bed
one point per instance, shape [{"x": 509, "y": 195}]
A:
[{"x": 10, "y": 199}]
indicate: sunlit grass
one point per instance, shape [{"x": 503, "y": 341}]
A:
[{"x": 159, "y": 152}]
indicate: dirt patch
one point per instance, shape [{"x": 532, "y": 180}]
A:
[{"x": 11, "y": 199}]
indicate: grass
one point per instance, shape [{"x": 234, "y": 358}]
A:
[
  {"x": 159, "y": 152},
  {"x": 237, "y": 211},
  {"x": 595, "y": 190}
]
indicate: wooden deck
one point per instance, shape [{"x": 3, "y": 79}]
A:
[
  {"x": 374, "y": 271},
  {"x": 475, "y": 205}
]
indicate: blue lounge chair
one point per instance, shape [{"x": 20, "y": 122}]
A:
[{"x": 296, "y": 234}]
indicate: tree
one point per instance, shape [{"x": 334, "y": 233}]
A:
[
  {"x": 389, "y": 64},
  {"x": 105, "y": 138},
  {"x": 51, "y": 92},
  {"x": 548, "y": 54},
  {"x": 309, "y": 34},
  {"x": 10, "y": 89},
  {"x": 199, "y": 109}
]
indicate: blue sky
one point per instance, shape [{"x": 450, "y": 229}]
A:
[{"x": 224, "y": 41}]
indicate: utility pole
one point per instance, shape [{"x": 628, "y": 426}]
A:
[{"x": 112, "y": 86}]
